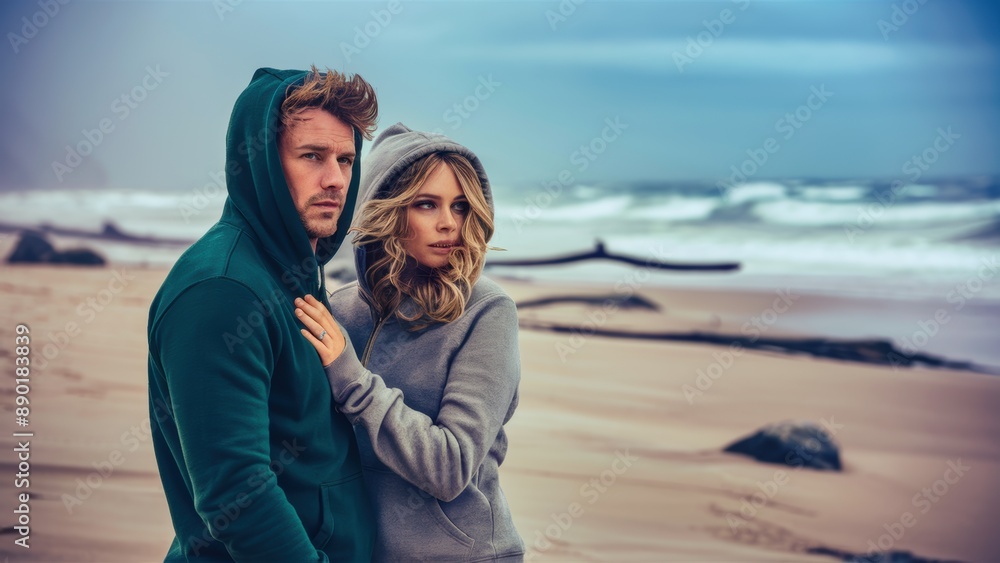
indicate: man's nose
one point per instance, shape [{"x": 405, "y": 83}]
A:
[{"x": 335, "y": 176}]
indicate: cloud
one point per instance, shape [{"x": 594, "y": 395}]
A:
[{"x": 736, "y": 55}]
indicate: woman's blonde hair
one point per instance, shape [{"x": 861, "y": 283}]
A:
[{"x": 439, "y": 295}]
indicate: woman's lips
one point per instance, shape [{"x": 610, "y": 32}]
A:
[{"x": 443, "y": 248}]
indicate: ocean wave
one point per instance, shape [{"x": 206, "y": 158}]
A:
[
  {"x": 755, "y": 191},
  {"x": 939, "y": 228},
  {"x": 804, "y": 213},
  {"x": 831, "y": 193},
  {"x": 677, "y": 209},
  {"x": 139, "y": 212}
]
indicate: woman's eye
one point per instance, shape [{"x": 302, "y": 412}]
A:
[
  {"x": 461, "y": 207},
  {"x": 424, "y": 205}
]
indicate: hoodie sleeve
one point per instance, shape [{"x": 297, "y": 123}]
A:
[
  {"x": 219, "y": 378},
  {"x": 439, "y": 456}
]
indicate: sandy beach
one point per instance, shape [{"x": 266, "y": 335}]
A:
[
  {"x": 615, "y": 450},
  {"x": 723, "y": 222}
]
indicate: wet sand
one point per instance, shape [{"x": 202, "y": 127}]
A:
[{"x": 614, "y": 450}]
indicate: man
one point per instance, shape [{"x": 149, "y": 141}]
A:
[{"x": 256, "y": 463}]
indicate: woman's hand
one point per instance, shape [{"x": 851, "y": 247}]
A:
[{"x": 321, "y": 328}]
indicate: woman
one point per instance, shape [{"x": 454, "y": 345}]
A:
[{"x": 422, "y": 323}]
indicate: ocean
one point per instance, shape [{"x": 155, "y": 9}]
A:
[{"x": 919, "y": 247}]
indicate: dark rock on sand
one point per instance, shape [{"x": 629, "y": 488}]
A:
[
  {"x": 621, "y": 301},
  {"x": 33, "y": 248},
  {"x": 79, "y": 257},
  {"x": 876, "y": 557},
  {"x": 797, "y": 444}
]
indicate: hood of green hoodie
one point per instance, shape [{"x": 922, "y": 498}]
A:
[
  {"x": 395, "y": 150},
  {"x": 258, "y": 193}
]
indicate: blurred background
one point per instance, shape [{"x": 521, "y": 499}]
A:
[
  {"x": 831, "y": 147},
  {"x": 840, "y": 146}
]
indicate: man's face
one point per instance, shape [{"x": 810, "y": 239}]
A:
[{"x": 317, "y": 152}]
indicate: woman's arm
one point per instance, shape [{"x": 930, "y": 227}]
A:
[{"x": 440, "y": 456}]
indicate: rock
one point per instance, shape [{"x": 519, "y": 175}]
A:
[
  {"x": 32, "y": 248},
  {"x": 78, "y": 256},
  {"x": 875, "y": 556},
  {"x": 797, "y": 444},
  {"x": 111, "y": 231}
]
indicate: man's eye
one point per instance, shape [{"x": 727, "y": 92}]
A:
[
  {"x": 347, "y": 160},
  {"x": 311, "y": 156}
]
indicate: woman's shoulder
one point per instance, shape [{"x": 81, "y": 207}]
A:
[
  {"x": 350, "y": 310},
  {"x": 487, "y": 292}
]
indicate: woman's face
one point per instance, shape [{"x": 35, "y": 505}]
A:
[{"x": 435, "y": 219}]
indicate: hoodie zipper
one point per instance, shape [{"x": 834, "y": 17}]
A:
[{"x": 371, "y": 341}]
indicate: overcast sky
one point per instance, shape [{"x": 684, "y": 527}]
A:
[{"x": 692, "y": 85}]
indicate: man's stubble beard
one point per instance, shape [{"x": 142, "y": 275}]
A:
[{"x": 315, "y": 233}]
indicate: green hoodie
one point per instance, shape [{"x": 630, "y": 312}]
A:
[{"x": 256, "y": 463}]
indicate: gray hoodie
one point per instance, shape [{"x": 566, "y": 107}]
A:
[{"x": 428, "y": 407}]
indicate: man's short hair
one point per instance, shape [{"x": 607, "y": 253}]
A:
[{"x": 350, "y": 99}]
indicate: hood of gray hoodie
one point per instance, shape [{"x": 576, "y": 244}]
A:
[{"x": 395, "y": 150}]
